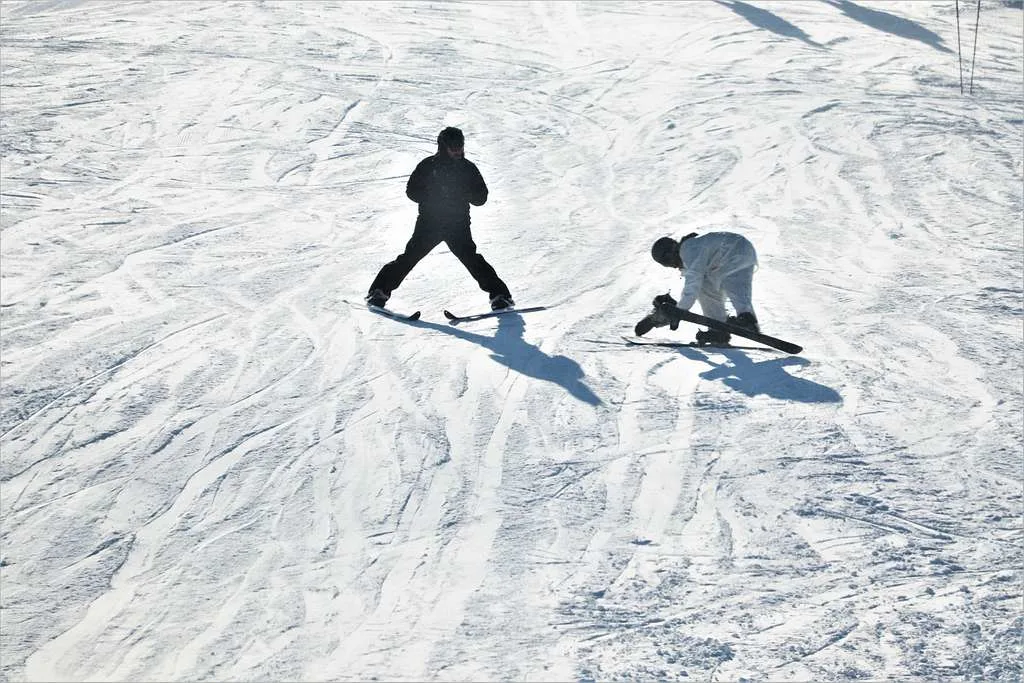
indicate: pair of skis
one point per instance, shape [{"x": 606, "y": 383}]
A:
[
  {"x": 452, "y": 318},
  {"x": 767, "y": 340},
  {"x": 667, "y": 344}
]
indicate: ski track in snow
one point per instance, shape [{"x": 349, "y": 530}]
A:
[{"x": 214, "y": 467}]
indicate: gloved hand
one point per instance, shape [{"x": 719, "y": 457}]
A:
[
  {"x": 663, "y": 301},
  {"x": 665, "y": 310},
  {"x": 645, "y": 326},
  {"x": 663, "y": 314}
]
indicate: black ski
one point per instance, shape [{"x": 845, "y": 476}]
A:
[
  {"x": 639, "y": 341},
  {"x": 456, "y": 319},
  {"x": 767, "y": 340},
  {"x": 395, "y": 315}
]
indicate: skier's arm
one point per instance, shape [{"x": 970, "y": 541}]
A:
[
  {"x": 691, "y": 288},
  {"x": 416, "y": 188},
  {"x": 476, "y": 188},
  {"x": 693, "y": 278}
]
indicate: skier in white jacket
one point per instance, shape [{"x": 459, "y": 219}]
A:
[{"x": 715, "y": 266}]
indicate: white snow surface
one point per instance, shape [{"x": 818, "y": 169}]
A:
[{"x": 218, "y": 465}]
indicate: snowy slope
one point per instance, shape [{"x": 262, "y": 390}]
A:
[{"x": 214, "y": 467}]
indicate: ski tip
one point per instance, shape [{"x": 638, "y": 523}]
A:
[
  {"x": 448, "y": 314},
  {"x": 394, "y": 315}
]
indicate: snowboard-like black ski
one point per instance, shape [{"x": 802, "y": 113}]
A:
[
  {"x": 767, "y": 340},
  {"x": 456, "y": 319},
  {"x": 395, "y": 315},
  {"x": 640, "y": 341}
]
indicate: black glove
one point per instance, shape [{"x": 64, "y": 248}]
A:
[
  {"x": 665, "y": 309},
  {"x": 664, "y": 301},
  {"x": 645, "y": 326},
  {"x": 663, "y": 314}
]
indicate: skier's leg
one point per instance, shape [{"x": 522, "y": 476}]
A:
[
  {"x": 739, "y": 287},
  {"x": 462, "y": 245},
  {"x": 712, "y": 303},
  {"x": 391, "y": 275}
]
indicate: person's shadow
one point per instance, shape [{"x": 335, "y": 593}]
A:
[
  {"x": 508, "y": 347},
  {"x": 768, "y": 21},
  {"x": 890, "y": 23},
  {"x": 767, "y": 377}
]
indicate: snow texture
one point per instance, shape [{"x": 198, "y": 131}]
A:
[{"x": 215, "y": 467}]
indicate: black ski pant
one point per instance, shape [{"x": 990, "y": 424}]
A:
[{"x": 427, "y": 235}]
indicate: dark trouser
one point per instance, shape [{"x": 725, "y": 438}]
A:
[{"x": 427, "y": 235}]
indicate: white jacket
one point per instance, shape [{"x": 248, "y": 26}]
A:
[{"x": 710, "y": 258}]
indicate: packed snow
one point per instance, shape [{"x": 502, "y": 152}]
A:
[{"x": 217, "y": 464}]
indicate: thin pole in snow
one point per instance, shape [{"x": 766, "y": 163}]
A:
[
  {"x": 959, "y": 54},
  {"x": 977, "y": 20}
]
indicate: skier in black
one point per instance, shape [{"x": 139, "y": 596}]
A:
[{"x": 444, "y": 185}]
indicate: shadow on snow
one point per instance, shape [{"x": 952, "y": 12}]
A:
[
  {"x": 890, "y": 23},
  {"x": 508, "y": 348},
  {"x": 768, "y": 377},
  {"x": 768, "y": 21},
  {"x": 876, "y": 19}
]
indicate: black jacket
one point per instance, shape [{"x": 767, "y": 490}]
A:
[{"x": 444, "y": 187}]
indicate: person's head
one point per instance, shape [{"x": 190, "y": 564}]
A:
[
  {"x": 665, "y": 251},
  {"x": 451, "y": 143}
]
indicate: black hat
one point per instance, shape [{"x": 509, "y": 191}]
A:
[
  {"x": 451, "y": 138},
  {"x": 665, "y": 251}
]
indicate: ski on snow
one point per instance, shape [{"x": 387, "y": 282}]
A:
[
  {"x": 767, "y": 340},
  {"x": 384, "y": 311},
  {"x": 394, "y": 315},
  {"x": 456, "y": 319},
  {"x": 638, "y": 341}
]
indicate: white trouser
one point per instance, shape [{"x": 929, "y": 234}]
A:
[{"x": 737, "y": 286}]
